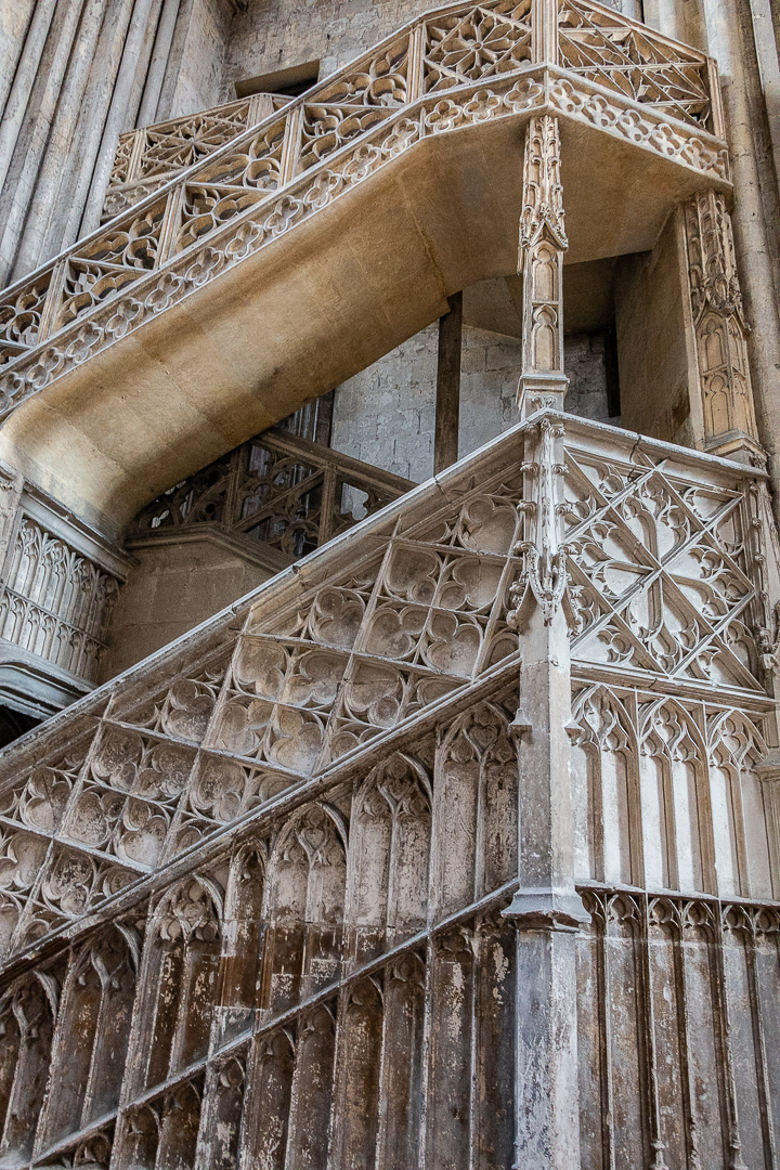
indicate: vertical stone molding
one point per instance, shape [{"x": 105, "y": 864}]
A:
[
  {"x": 540, "y": 263},
  {"x": 721, "y": 330},
  {"x": 768, "y": 772},
  {"x": 11, "y": 485},
  {"x": 546, "y": 908}
]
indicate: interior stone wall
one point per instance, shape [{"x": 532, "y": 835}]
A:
[
  {"x": 656, "y": 367},
  {"x": 385, "y": 414},
  {"x": 73, "y": 75},
  {"x": 276, "y": 35},
  {"x": 196, "y": 77},
  {"x": 172, "y": 587}
]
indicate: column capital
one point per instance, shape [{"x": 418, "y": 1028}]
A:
[
  {"x": 541, "y": 391},
  {"x": 546, "y": 908}
]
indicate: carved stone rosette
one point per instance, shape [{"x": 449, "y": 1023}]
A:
[
  {"x": 720, "y": 328},
  {"x": 540, "y": 263}
]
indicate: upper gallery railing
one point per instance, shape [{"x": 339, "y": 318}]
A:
[
  {"x": 277, "y": 489},
  {"x": 152, "y": 155},
  {"x": 455, "y": 67}
]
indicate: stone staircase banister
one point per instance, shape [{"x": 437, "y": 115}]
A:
[
  {"x": 279, "y": 489},
  {"x": 152, "y": 155}
]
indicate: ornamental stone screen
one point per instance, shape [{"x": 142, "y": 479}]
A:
[{"x": 366, "y": 817}]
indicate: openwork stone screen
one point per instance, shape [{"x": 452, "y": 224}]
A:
[
  {"x": 268, "y": 880},
  {"x": 284, "y": 492},
  {"x": 55, "y": 602},
  {"x": 147, "y": 158}
]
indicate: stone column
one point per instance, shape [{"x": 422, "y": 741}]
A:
[
  {"x": 445, "y": 444},
  {"x": 540, "y": 263},
  {"x": 546, "y": 908},
  {"x": 725, "y": 389},
  {"x": 754, "y": 215}
]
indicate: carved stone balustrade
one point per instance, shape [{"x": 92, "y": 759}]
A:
[
  {"x": 231, "y": 263},
  {"x": 151, "y": 156},
  {"x": 325, "y": 851},
  {"x": 285, "y": 492},
  {"x": 58, "y": 585}
]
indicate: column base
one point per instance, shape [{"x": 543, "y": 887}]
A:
[{"x": 541, "y": 392}]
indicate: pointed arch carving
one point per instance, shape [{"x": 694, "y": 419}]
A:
[
  {"x": 179, "y": 972},
  {"x": 390, "y": 834},
  {"x": 242, "y": 940},
  {"x": 179, "y": 1124},
  {"x": 402, "y": 1061},
  {"x": 358, "y": 1064},
  {"x": 739, "y": 817},
  {"x": 91, "y": 1040},
  {"x": 475, "y": 807},
  {"x": 268, "y": 1104},
  {"x": 140, "y": 1138},
  {"x": 676, "y": 810},
  {"x": 605, "y": 773},
  {"x": 223, "y": 1111},
  {"x": 312, "y": 1090},
  {"x": 27, "y": 1018},
  {"x": 304, "y": 906}
]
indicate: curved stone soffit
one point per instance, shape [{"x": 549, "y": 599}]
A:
[
  {"x": 360, "y": 649},
  {"x": 455, "y": 69}
]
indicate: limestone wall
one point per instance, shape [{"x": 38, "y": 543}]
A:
[
  {"x": 172, "y": 587},
  {"x": 72, "y": 75},
  {"x": 385, "y": 414},
  {"x": 655, "y": 363},
  {"x": 283, "y": 33}
]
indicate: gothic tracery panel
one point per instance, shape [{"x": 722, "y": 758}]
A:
[{"x": 630, "y": 58}]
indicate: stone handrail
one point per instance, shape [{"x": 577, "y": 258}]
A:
[
  {"x": 283, "y": 491},
  {"x": 455, "y": 67},
  {"x": 150, "y": 156}
]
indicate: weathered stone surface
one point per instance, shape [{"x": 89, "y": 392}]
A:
[
  {"x": 398, "y": 854},
  {"x": 455, "y": 842}
]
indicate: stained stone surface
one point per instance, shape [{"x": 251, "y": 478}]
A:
[{"x": 454, "y": 842}]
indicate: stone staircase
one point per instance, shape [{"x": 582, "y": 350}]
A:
[
  {"x": 210, "y": 265},
  {"x": 274, "y": 897},
  {"x": 348, "y": 874}
]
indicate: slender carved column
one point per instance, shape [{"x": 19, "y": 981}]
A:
[
  {"x": 546, "y": 908},
  {"x": 540, "y": 263},
  {"x": 445, "y": 447},
  {"x": 721, "y": 330}
]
